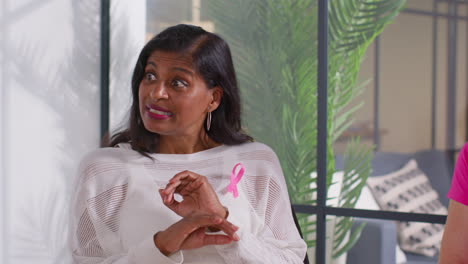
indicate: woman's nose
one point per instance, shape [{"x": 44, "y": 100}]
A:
[{"x": 158, "y": 91}]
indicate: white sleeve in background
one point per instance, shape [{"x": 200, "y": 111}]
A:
[
  {"x": 276, "y": 239},
  {"x": 94, "y": 225}
]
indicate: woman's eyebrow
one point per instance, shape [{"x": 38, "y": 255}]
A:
[
  {"x": 184, "y": 70},
  {"x": 151, "y": 63}
]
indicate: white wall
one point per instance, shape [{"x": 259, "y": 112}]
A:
[
  {"x": 49, "y": 75},
  {"x": 405, "y": 82},
  {"x": 50, "y": 107},
  {"x": 128, "y": 23}
]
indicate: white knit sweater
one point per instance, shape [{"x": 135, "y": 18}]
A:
[{"x": 117, "y": 208}]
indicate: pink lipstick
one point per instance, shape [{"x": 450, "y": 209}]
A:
[{"x": 157, "y": 112}]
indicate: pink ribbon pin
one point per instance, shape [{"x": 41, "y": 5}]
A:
[{"x": 235, "y": 179}]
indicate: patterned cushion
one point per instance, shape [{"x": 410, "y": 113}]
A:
[{"x": 409, "y": 190}]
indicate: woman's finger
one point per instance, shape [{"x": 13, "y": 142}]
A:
[
  {"x": 170, "y": 187},
  {"x": 189, "y": 187},
  {"x": 229, "y": 228},
  {"x": 205, "y": 220},
  {"x": 163, "y": 196},
  {"x": 183, "y": 184},
  {"x": 194, "y": 185},
  {"x": 177, "y": 188},
  {"x": 199, "y": 239},
  {"x": 171, "y": 203},
  {"x": 176, "y": 235},
  {"x": 183, "y": 175},
  {"x": 216, "y": 240}
]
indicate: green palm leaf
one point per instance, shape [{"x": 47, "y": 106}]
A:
[{"x": 356, "y": 171}]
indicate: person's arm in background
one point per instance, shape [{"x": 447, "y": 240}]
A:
[{"x": 454, "y": 247}]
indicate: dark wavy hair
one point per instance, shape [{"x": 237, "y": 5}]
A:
[{"x": 212, "y": 59}]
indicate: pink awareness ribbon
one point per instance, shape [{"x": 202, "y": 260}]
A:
[{"x": 235, "y": 179}]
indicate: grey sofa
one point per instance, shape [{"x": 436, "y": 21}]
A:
[{"x": 379, "y": 237}]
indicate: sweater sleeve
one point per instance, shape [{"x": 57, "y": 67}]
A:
[
  {"x": 278, "y": 240},
  {"x": 100, "y": 192}
]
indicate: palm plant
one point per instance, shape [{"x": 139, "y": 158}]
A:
[{"x": 274, "y": 45}]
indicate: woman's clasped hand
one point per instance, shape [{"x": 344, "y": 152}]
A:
[
  {"x": 190, "y": 233},
  {"x": 201, "y": 211}
]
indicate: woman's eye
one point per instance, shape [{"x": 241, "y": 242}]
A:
[
  {"x": 150, "y": 77},
  {"x": 179, "y": 83}
]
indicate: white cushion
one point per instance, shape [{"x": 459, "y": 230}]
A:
[
  {"x": 366, "y": 200},
  {"x": 409, "y": 190}
]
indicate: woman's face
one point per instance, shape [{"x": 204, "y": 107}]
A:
[{"x": 173, "y": 97}]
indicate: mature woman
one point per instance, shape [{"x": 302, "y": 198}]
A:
[
  {"x": 455, "y": 240},
  {"x": 183, "y": 183}
]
